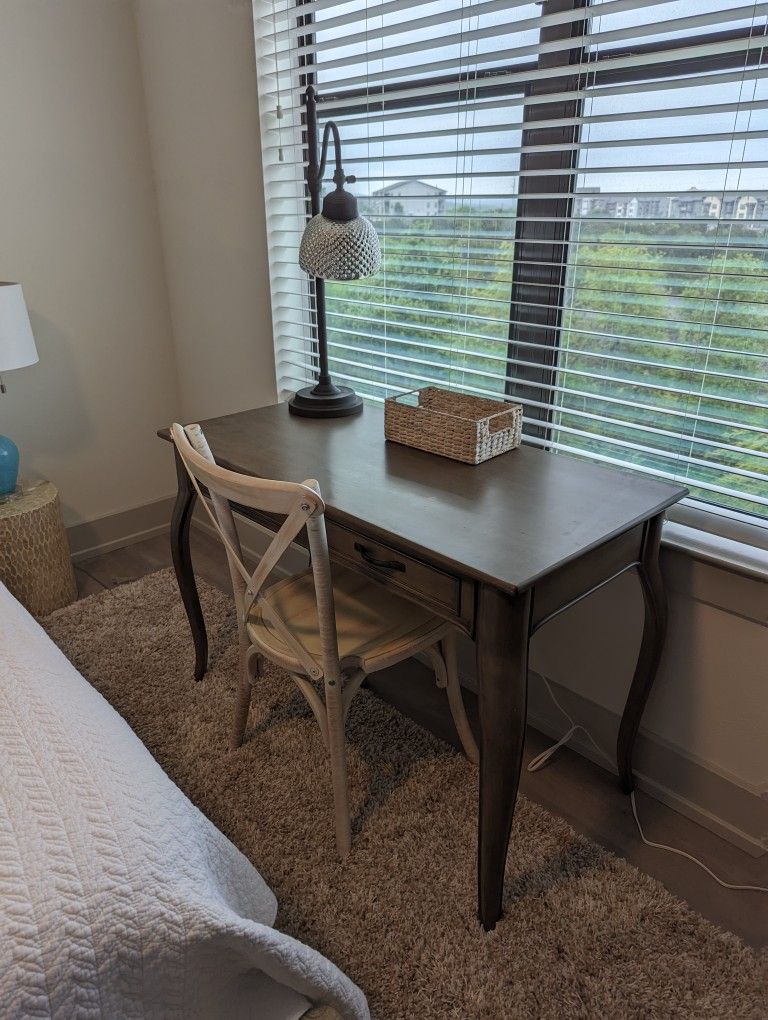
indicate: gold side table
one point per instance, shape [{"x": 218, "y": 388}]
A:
[{"x": 35, "y": 564}]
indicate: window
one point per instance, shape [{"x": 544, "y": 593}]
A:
[{"x": 572, "y": 200}]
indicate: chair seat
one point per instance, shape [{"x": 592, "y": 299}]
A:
[{"x": 375, "y": 628}]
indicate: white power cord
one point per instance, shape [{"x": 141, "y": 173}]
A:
[
  {"x": 543, "y": 759},
  {"x": 546, "y": 756}
]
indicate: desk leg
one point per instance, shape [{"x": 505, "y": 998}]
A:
[
  {"x": 182, "y": 563},
  {"x": 654, "y": 633},
  {"x": 503, "y": 630}
]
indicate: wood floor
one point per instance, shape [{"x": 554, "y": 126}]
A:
[{"x": 572, "y": 787}]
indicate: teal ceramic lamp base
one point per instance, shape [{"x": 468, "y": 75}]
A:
[{"x": 9, "y": 466}]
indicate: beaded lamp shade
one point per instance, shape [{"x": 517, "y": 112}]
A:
[{"x": 340, "y": 249}]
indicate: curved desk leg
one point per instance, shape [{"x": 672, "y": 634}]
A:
[
  {"x": 182, "y": 563},
  {"x": 654, "y": 633},
  {"x": 503, "y": 631}
]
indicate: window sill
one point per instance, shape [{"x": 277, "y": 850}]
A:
[{"x": 727, "y": 553}]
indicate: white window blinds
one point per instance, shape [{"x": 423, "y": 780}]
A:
[{"x": 572, "y": 201}]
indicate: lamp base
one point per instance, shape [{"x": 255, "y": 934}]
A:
[
  {"x": 325, "y": 402},
  {"x": 9, "y": 466}
]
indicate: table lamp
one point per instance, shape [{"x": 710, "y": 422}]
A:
[
  {"x": 338, "y": 244},
  {"x": 17, "y": 350}
]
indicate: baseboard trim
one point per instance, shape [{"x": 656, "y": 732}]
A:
[
  {"x": 750, "y": 844},
  {"x": 733, "y": 812},
  {"x": 115, "y": 531}
]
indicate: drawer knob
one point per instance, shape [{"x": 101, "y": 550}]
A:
[{"x": 368, "y": 556}]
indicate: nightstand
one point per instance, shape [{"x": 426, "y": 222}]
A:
[{"x": 35, "y": 564}]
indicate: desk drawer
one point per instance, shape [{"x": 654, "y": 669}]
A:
[{"x": 443, "y": 592}]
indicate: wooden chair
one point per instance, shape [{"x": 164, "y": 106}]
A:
[{"x": 328, "y": 631}]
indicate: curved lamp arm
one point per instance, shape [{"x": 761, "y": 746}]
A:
[
  {"x": 315, "y": 171},
  {"x": 339, "y": 177}
]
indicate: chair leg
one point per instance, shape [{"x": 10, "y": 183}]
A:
[
  {"x": 456, "y": 699},
  {"x": 334, "y": 706},
  {"x": 249, "y": 666}
]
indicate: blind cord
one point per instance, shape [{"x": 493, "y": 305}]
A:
[
  {"x": 543, "y": 759},
  {"x": 278, "y": 107}
]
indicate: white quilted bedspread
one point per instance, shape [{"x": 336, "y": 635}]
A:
[{"x": 118, "y": 898}]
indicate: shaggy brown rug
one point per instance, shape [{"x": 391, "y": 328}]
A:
[{"x": 584, "y": 934}]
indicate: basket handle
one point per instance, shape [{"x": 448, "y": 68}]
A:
[{"x": 502, "y": 420}]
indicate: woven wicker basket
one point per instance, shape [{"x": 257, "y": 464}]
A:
[{"x": 455, "y": 425}]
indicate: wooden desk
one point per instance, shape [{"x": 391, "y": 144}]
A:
[{"x": 499, "y": 549}]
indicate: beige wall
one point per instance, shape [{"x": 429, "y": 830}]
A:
[
  {"x": 133, "y": 216},
  {"x": 199, "y": 72},
  {"x": 79, "y": 229}
]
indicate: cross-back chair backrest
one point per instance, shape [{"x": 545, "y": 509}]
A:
[{"x": 301, "y": 504}]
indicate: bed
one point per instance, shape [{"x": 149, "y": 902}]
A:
[{"x": 118, "y": 898}]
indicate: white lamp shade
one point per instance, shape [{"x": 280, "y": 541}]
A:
[{"x": 17, "y": 344}]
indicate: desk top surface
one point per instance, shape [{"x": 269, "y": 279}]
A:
[{"x": 509, "y": 521}]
